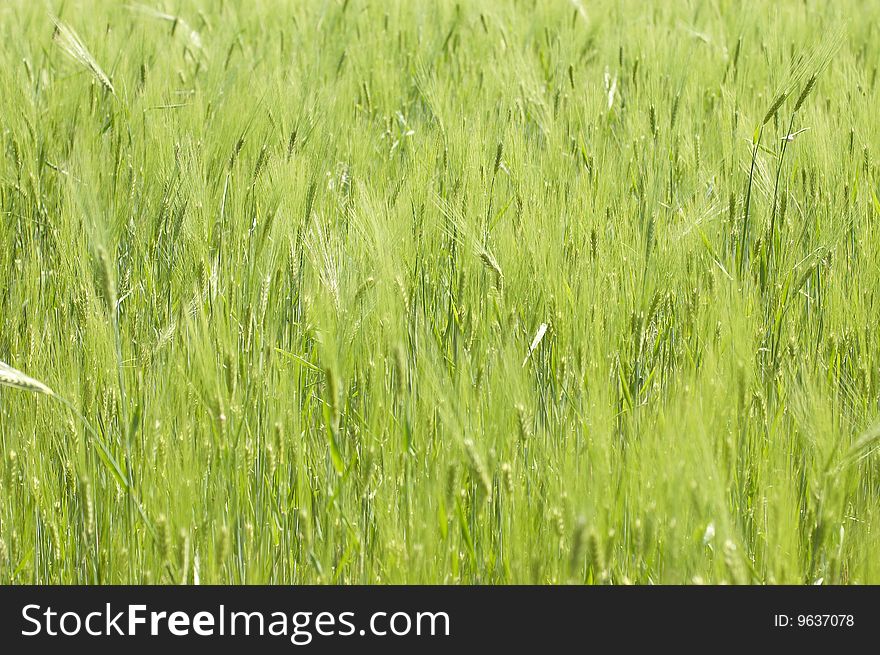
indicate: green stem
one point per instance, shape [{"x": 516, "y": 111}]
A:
[
  {"x": 772, "y": 234},
  {"x": 745, "y": 227}
]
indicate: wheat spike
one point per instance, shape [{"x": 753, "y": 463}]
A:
[
  {"x": 491, "y": 263},
  {"x": 777, "y": 103},
  {"x": 72, "y": 45},
  {"x": 177, "y": 21},
  {"x": 803, "y": 96},
  {"x": 805, "y": 71},
  {"x": 539, "y": 335},
  {"x": 10, "y": 377}
]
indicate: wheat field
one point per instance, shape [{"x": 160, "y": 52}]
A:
[{"x": 515, "y": 291}]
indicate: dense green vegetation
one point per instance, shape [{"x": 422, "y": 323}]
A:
[{"x": 345, "y": 291}]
